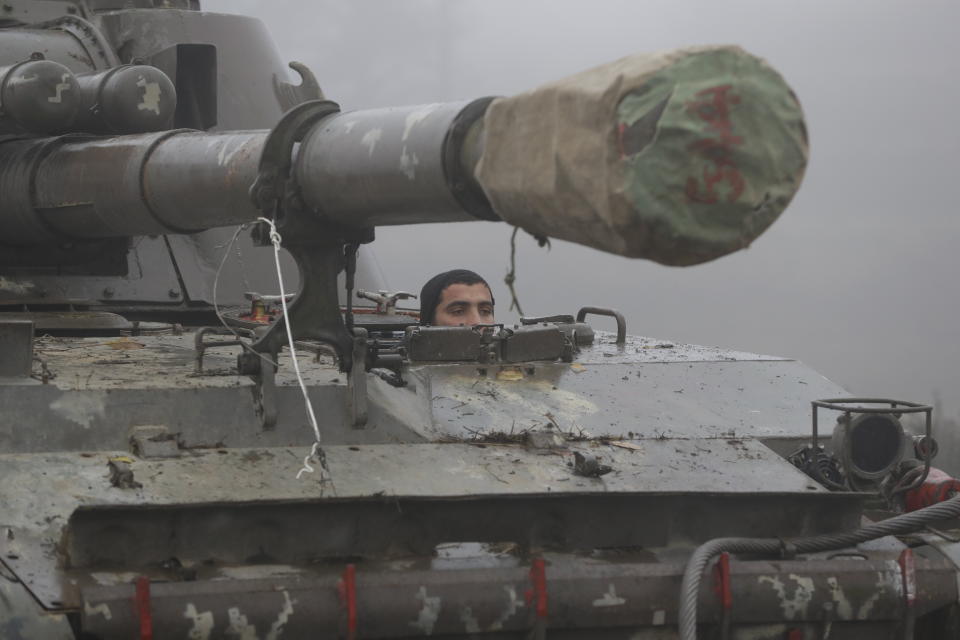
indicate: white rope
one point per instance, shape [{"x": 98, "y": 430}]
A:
[
  {"x": 315, "y": 452},
  {"x": 275, "y": 239}
]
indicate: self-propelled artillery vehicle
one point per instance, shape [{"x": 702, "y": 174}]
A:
[{"x": 191, "y": 449}]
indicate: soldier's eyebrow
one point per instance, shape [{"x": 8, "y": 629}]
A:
[{"x": 482, "y": 303}]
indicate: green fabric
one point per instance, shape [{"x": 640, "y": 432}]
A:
[{"x": 727, "y": 154}]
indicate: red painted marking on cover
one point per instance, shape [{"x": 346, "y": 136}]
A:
[
  {"x": 908, "y": 570},
  {"x": 723, "y": 581},
  {"x": 348, "y": 596},
  {"x": 713, "y": 107},
  {"x": 142, "y": 602},
  {"x": 538, "y": 595}
]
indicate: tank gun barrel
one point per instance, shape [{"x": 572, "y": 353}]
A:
[{"x": 679, "y": 157}]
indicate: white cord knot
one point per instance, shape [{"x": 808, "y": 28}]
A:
[
  {"x": 275, "y": 238},
  {"x": 316, "y": 454}
]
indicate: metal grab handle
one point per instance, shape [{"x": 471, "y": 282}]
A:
[{"x": 611, "y": 313}]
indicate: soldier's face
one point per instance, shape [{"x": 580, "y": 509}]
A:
[{"x": 464, "y": 304}]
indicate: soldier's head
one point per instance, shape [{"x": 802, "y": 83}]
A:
[{"x": 458, "y": 297}]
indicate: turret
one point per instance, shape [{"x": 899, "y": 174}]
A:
[{"x": 679, "y": 157}]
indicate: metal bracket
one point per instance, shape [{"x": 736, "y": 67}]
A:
[
  {"x": 274, "y": 181},
  {"x": 290, "y": 95},
  {"x": 357, "y": 382},
  {"x": 315, "y": 312},
  {"x": 16, "y": 348},
  {"x": 321, "y": 251},
  {"x": 265, "y": 395},
  {"x": 200, "y": 344}
]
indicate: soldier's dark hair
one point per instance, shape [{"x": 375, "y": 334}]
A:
[{"x": 432, "y": 291}]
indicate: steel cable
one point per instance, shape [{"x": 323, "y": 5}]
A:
[{"x": 898, "y": 525}]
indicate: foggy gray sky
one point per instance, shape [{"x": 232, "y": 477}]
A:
[{"x": 859, "y": 276}]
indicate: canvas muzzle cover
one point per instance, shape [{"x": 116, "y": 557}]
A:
[{"x": 679, "y": 157}]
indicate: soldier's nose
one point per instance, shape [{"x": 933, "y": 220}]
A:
[{"x": 473, "y": 318}]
